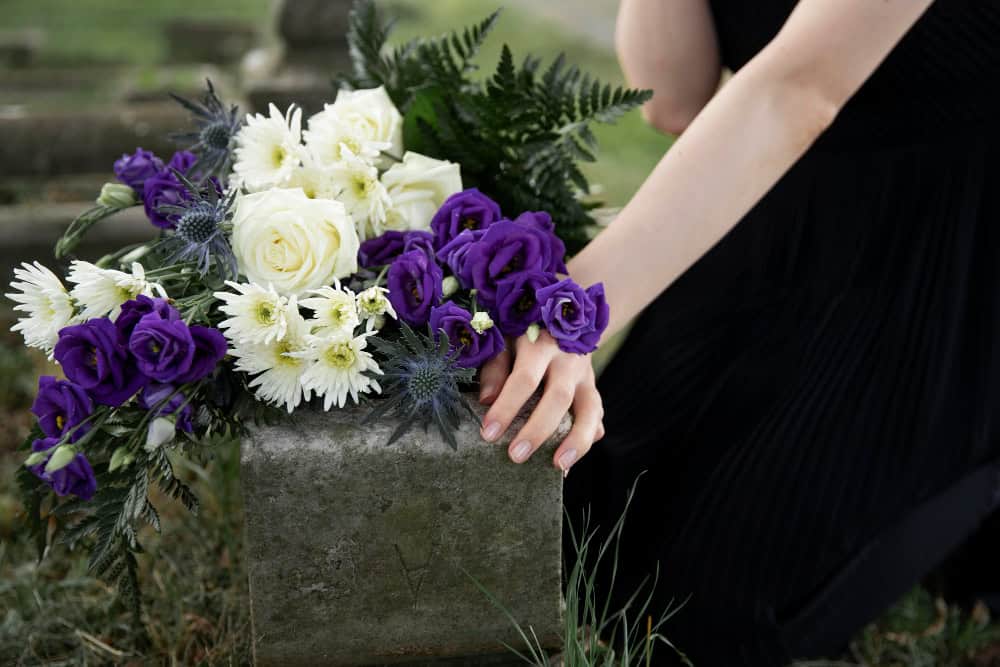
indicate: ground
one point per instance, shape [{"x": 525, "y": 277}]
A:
[{"x": 194, "y": 581}]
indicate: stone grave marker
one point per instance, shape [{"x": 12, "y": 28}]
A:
[{"x": 358, "y": 550}]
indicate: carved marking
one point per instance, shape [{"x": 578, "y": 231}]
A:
[{"x": 415, "y": 575}]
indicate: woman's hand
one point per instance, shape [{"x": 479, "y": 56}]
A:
[{"x": 569, "y": 383}]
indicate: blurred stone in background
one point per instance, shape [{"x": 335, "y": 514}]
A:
[{"x": 313, "y": 49}]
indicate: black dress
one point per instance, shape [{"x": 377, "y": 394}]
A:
[{"x": 817, "y": 400}]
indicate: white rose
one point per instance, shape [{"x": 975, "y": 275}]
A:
[
  {"x": 418, "y": 187},
  {"x": 365, "y": 122},
  {"x": 283, "y": 238}
]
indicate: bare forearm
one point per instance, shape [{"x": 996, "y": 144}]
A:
[
  {"x": 738, "y": 147},
  {"x": 671, "y": 48}
]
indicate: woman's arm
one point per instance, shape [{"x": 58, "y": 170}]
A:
[
  {"x": 671, "y": 48},
  {"x": 736, "y": 149}
]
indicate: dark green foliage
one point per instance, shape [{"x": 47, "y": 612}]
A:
[
  {"x": 519, "y": 135},
  {"x": 420, "y": 384}
]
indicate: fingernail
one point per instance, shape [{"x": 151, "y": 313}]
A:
[
  {"x": 567, "y": 460},
  {"x": 491, "y": 431},
  {"x": 485, "y": 393},
  {"x": 521, "y": 451}
]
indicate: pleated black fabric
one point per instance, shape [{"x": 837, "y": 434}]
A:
[{"x": 815, "y": 401}]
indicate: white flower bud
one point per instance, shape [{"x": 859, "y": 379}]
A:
[
  {"x": 118, "y": 458},
  {"x": 61, "y": 458},
  {"x": 117, "y": 195},
  {"x": 36, "y": 458},
  {"x": 449, "y": 286},
  {"x": 161, "y": 431},
  {"x": 481, "y": 321}
]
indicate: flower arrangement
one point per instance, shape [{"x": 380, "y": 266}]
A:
[{"x": 347, "y": 259}]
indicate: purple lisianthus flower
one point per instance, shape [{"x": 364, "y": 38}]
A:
[
  {"x": 506, "y": 248},
  {"x": 77, "y": 478},
  {"x": 93, "y": 355},
  {"x": 61, "y": 406},
  {"x": 454, "y": 252},
  {"x": 165, "y": 189},
  {"x": 575, "y": 317},
  {"x": 156, "y": 394},
  {"x": 466, "y": 210},
  {"x": 133, "y": 170},
  {"x": 163, "y": 346},
  {"x": 474, "y": 348},
  {"x": 414, "y": 282},
  {"x": 381, "y": 250},
  {"x": 182, "y": 161},
  {"x": 517, "y": 306},
  {"x": 134, "y": 310},
  {"x": 542, "y": 221},
  {"x": 209, "y": 349}
]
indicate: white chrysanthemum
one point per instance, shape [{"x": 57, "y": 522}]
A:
[
  {"x": 269, "y": 149},
  {"x": 339, "y": 366},
  {"x": 278, "y": 365},
  {"x": 256, "y": 314},
  {"x": 362, "y": 193},
  {"x": 335, "y": 311},
  {"x": 101, "y": 292},
  {"x": 362, "y": 122},
  {"x": 315, "y": 181},
  {"x": 45, "y": 301},
  {"x": 374, "y": 303}
]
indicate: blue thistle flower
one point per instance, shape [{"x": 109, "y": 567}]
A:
[
  {"x": 216, "y": 130},
  {"x": 420, "y": 383},
  {"x": 200, "y": 233}
]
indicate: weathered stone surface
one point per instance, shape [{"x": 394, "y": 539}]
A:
[{"x": 356, "y": 549}]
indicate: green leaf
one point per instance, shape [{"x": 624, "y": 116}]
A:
[{"x": 421, "y": 113}]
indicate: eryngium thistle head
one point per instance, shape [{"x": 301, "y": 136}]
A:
[
  {"x": 215, "y": 128},
  {"x": 199, "y": 235},
  {"x": 420, "y": 384}
]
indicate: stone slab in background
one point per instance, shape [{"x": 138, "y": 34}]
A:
[
  {"x": 47, "y": 143},
  {"x": 356, "y": 549},
  {"x": 28, "y": 232}
]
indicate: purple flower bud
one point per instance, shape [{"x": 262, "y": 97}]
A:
[
  {"x": 517, "y": 305},
  {"x": 414, "y": 282},
  {"x": 466, "y": 210},
  {"x": 60, "y": 407},
  {"x": 474, "y": 348},
  {"x": 133, "y": 170},
  {"x": 93, "y": 355},
  {"x": 575, "y": 317}
]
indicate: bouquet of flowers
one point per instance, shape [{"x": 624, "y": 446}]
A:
[{"x": 379, "y": 252}]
